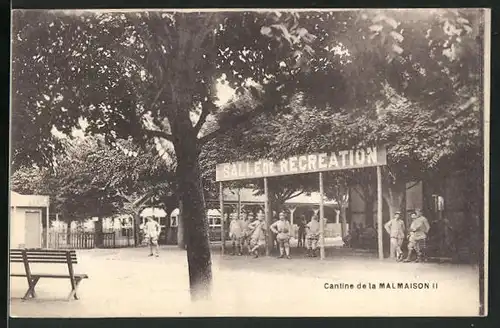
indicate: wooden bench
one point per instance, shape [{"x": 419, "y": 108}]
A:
[{"x": 28, "y": 256}]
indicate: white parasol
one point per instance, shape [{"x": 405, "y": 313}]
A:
[{"x": 153, "y": 211}]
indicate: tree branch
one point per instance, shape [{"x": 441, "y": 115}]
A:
[
  {"x": 205, "y": 111},
  {"x": 413, "y": 185},
  {"x": 158, "y": 94},
  {"x": 285, "y": 194},
  {"x": 297, "y": 194},
  {"x": 236, "y": 122},
  {"x": 159, "y": 134},
  {"x": 141, "y": 199},
  {"x": 359, "y": 193},
  {"x": 122, "y": 195}
]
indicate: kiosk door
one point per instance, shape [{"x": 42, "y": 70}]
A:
[{"x": 33, "y": 229}]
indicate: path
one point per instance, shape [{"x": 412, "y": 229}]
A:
[{"x": 127, "y": 283}]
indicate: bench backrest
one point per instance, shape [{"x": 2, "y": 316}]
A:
[{"x": 43, "y": 256}]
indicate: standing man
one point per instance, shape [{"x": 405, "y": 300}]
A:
[
  {"x": 313, "y": 231},
  {"x": 257, "y": 231},
  {"x": 396, "y": 230},
  {"x": 273, "y": 236},
  {"x": 302, "y": 232},
  {"x": 235, "y": 233},
  {"x": 244, "y": 231},
  {"x": 152, "y": 231},
  {"x": 281, "y": 229},
  {"x": 419, "y": 229}
]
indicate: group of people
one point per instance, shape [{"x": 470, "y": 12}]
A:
[
  {"x": 248, "y": 231},
  {"x": 416, "y": 236},
  {"x": 244, "y": 231}
]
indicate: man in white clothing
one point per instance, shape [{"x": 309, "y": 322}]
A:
[
  {"x": 396, "y": 230},
  {"x": 152, "y": 232}
]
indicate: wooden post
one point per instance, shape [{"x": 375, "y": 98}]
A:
[
  {"x": 181, "y": 241},
  {"x": 379, "y": 215},
  {"x": 222, "y": 221},
  {"x": 321, "y": 217},
  {"x": 267, "y": 213},
  {"x": 292, "y": 210},
  {"x": 239, "y": 205},
  {"x": 47, "y": 223}
]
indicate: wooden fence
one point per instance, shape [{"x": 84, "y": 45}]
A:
[{"x": 87, "y": 240}]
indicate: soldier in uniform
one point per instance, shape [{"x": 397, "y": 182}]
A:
[
  {"x": 245, "y": 237},
  {"x": 419, "y": 229},
  {"x": 302, "y": 232},
  {"x": 282, "y": 229},
  {"x": 396, "y": 230},
  {"x": 257, "y": 233},
  {"x": 312, "y": 237},
  {"x": 235, "y": 233}
]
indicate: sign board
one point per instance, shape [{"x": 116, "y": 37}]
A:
[{"x": 318, "y": 162}]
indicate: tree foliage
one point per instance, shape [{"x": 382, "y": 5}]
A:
[
  {"x": 93, "y": 179},
  {"x": 417, "y": 80}
]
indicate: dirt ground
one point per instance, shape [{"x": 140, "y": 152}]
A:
[{"x": 127, "y": 283}]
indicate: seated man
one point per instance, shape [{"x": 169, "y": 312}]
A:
[{"x": 352, "y": 238}]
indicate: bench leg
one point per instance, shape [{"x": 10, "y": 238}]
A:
[
  {"x": 31, "y": 289},
  {"x": 73, "y": 289}
]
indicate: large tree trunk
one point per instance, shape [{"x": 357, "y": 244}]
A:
[
  {"x": 341, "y": 194},
  {"x": 99, "y": 238},
  {"x": 343, "y": 222},
  {"x": 137, "y": 230},
  {"x": 395, "y": 197},
  {"x": 369, "y": 198},
  {"x": 181, "y": 242},
  {"x": 193, "y": 212}
]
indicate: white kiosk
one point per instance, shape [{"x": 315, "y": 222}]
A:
[{"x": 27, "y": 214}]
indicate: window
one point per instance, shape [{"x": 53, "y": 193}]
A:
[
  {"x": 127, "y": 231},
  {"x": 214, "y": 221}
]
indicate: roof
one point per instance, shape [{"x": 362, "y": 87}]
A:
[
  {"x": 213, "y": 212},
  {"x": 248, "y": 196},
  {"x": 210, "y": 212},
  {"x": 16, "y": 199}
]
